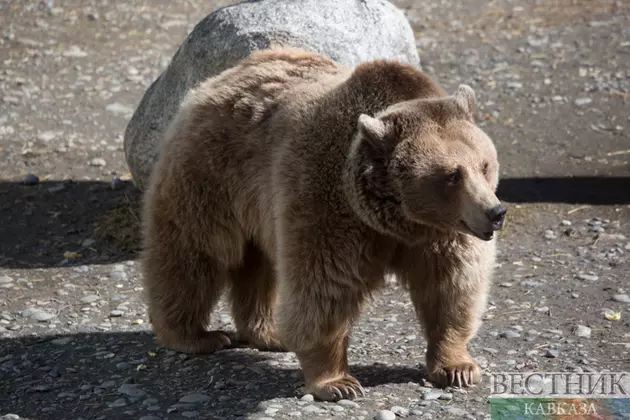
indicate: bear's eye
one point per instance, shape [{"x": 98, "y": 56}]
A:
[
  {"x": 454, "y": 177},
  {"x": 485, "y": 168}
]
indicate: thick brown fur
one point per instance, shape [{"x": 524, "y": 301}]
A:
[{"x": 297, "y": 184}]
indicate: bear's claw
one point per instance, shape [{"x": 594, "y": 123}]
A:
[
  {"x": 466, "y": 374},
  {"x": 345, "y": 388}
]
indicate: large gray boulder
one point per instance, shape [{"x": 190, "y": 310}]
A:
[{"x": 348, "y": 31}]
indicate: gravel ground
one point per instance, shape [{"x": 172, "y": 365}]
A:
[{"x": 553, "y": 86}]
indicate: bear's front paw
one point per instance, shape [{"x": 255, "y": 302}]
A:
[
  {"x": 463, "y": 374},
  {"x": 346, "y": 387}
]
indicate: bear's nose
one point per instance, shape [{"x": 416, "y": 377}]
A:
[{"x": 496, "y": 216}]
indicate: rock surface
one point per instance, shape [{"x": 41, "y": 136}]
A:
[{"x": 347, "y": 31}]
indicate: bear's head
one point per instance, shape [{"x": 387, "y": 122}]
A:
[{"x": 425, "y": 162}]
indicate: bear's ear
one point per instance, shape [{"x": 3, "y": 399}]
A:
[
  {"x": 465, "y": 98},
  {"x": 372, "y": 129}
]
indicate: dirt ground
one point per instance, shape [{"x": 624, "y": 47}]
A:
[{"x": 553, "y": 85}]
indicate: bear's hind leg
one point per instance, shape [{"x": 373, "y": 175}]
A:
[
  {"x": 183, "y": 286},
  {"x": 253, "y": 297}
]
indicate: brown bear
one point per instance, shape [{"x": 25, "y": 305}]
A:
[{"x": 297, "y": 184}]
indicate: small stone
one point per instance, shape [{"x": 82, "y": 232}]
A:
[
  {"x": 399, "y": 411},
  {"x": 549, "y": 234},
  {"x": 89, "y": 299},
  {"x": 10, "y": 417},
  {"x": 30, "y": 179},
  {"x": 552, "y": 354},
  {"x": 37, "y": 315},
  {"x": 5, "y": 280},
  {"x": 312, "y": 409},
  {"x": 509, "y": 334},
  {"x": 308, "y": 398},
  {"x": 348, "y": 403},
  {"x": 120, "y": 402},
  {"x": 447, "y": 396},
  {"x": 46, "y": 136},
  {"x": 194, "y": 399},
  {"x": 431, "y": 395},
  {"x": 116, "y": 313},
  {"x": 75, "y": 52},
  {"x": 61, "y": 341},
  {"x": 582, "y": 101},
  {"x": 514, "y": 85},
  {"x": 117, "y": 108},
  {"x": 623, "y": 298},
  {"x": 588, "y": 277},
  {"x": 385, "y": 415},
  {"x": 92, "y": 16},
  {"x": 98, "y": 162},
  {"x": 150, "y": 418},
  {"x": 108, "y": 384},
  {"x": 88, "y": 242},
  {"x": 530, "y": 283},
  {"x": 190, "y": 414},
  {"x": 131, "y": 390},
  {"x": 565, "y": 223},
  {"x": 456, "y": 412},
  {"x": 582, "y": 331}
]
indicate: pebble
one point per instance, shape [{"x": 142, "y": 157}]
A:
[
  {"x": 194, "y": 399},
  {"x": 75, "y": 52},
  {"x": 30, "y": 179},
  {"x": 98, "y": 162},
  {"x": 399, "y": 411},
  {"x": 588, "y": 277},
  {"x": 131, "y": 390},
  {"x": 348, "y": 403},
  {"x": 38, "y": 315},
  {"x": 582, "y": 331},
  {"x": 89, "y": 299},
  {"x": 10, "y": 416},
  {"x": 565, "y": 223},
  {"x": 456, "y": 412},
  {"x": 623, "y": 298},
  {"x": 514, "y": 85},
  {"x": 116, "y": 313},
  {"x": 509, "y": 334},
  {"x": 582, "y": 101},
  {"x": 549, "y": 234},
  {"x": 308, "y": 398},
  {"x": 431, "y": 395},
  {"x": 190, "y": 414},
  {"x": 312, "y": 409},
  {"x": 385, "y": 415},
  {"x": 552, "y": 354},
  {"x": 120, "y": 402},
  {"x": 149, "y": 418},
  {"x": 530, "y": 283},
  {"x": 61, "y": 341},
  {"x": 117, "y": 108}
]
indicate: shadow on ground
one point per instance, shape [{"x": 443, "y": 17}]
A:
[
  {"x": 570, "y": 190},
  {"x": 86, "y": 370},
  {"x": 42, "y": 222}
]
